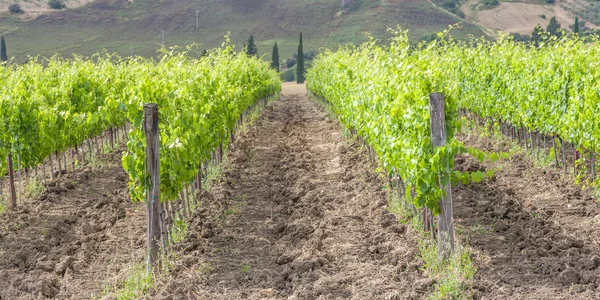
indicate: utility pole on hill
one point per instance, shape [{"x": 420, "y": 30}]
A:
[
  {"x": 197, "y": 13},
  {"x": 163, "y": 38},
  {"x": 131, "y": 51}
]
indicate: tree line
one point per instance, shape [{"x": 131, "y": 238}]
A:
[{"x": 252, "y": 50}]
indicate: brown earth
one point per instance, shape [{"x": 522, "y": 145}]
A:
[
  {"x": 72, "y": 238},
  {"x": 535, "y": 234},
  {"x": 298, "y": 214},
  {"x": 510, "y": 17}
]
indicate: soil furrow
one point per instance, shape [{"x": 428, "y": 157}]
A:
[
  {"x": 81, "y": 231},
  {"x": 536, "y": 235},
  {"x": 298, "y": 214}
]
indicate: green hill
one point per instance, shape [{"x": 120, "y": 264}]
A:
[{"x": 122, "y": 26}]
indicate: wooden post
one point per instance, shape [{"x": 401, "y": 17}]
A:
[
  {"x": 73, "y": 157},
  {"x": 58, "y": 160},
  {"x": 575, "y": 158},
  {"x": 184, "y": 203},
  {"x": 51, "y": 167},
  {"x": 44, "y": 171},
  {"x": 11, "y": 178},
  {"x": 89, "y": 150},
  {"x": 20, "y": 177},
  {"x": 593, "y": 162},
  {"x": 98, "y": 145},
  {"x": 564, "y": 150},
  {"x": 199, "y": 178},
  {"x": 438, "y": 139},
  {"x": 65, "y": 160},
  {"x": 555, "y": 153},
  {"x": 153, "y": 193},
  {"x": 111, "y": 138}
]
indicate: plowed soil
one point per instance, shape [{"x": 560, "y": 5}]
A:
[
  {"x": 298, "y": 214},
  {"x": 536, "y": 235},
  {"x": 68, "y": 241}
]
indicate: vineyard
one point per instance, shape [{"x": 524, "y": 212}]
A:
[
  {"x": 180, "y": 178},
  {"x": 544, "y": 98},
  {"x": 49, "y": 106}
]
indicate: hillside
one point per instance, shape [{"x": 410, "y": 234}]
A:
[
  {"x": 522, "y": 16},
  {"x": 124, "y": 27}
]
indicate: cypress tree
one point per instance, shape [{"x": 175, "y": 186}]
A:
[
  {"x": 251, "y": 48},
  {"x": 3, "y": 55},
  {"x": 300, "y": 65},
  {"x": 554, "y": 28},
  {"x": 576, "y": 26},
  {"x": 275, "y": 58}
]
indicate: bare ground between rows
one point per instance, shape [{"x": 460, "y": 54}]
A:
[
  {"x": 297, "y": 214},
  {"x": 535, "y": 234},
  {"x": 69, "y": 240}
]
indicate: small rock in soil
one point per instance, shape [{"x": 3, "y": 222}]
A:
[
  {"x": 577, "y": 244},
  {"x": 569, "y": 276},
  {"x": 499, "y": 212},
  {"x": 63, "y": 265},
  {"x": 423, "y": 284},
  {"x": 47, "y": 266}
]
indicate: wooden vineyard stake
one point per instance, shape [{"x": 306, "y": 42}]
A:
[
  {"x": 111, "y": 138},
  {"x": 199, "y": 178},
  {"x": 555, "y": 153},
  {"x": 184, "y": 203},
  {"x": 65, "y": 160},
  {"x": 58, "y": 160},
  {"x": 593, "y": 162},
  {"x": 564, "y": 150},
  {"x": 11, "y": 179},
  {"x": 20, "y": 179},
  {"x": 153, "y": 193},
  {"x": 575, "y": 159},
  {"x": 44, "y": 171},
  {"x": 98, "y": 145},
  {"x": 51, "y": 167},
  {"x": 73, "y": 157},
  {"x": 164, "y": 233},
  {"x": 438, "y": 139}
]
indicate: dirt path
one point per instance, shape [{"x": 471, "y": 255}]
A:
[
  {"x": 71, "y": 239},
  {"x": 297, "y": 215},
  {"x": 536, "y": 235}
]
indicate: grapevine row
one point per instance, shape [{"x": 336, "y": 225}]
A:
[
  {"x": 49, "y": 105},
  {"x": 382, "y": 94}
]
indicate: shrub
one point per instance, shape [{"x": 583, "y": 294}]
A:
[
  {"x": 15, "y": 8},
  {"x": 289, "y": 75},
  {"x": 489, "y": 3},
  {"x": 56, "y": 4}
]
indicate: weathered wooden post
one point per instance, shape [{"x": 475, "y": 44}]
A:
[
  {"x": 11, "y": 179},
  {"x": 438, "y": 139},
  {"x": 153, "y": 193},
  {"x": 593, "y": 162}
]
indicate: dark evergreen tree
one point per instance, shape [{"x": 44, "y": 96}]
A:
[
  {"x": 554, "y": 28},
  {"x": 536, "y": 35},
  {"x": 576, "y": 26},
  {"x": 275, "y": 58},
  {"x": 3, "y": 55},
  {"x": 300, "y": 65},
  {"x": 251, "y": 48}
]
